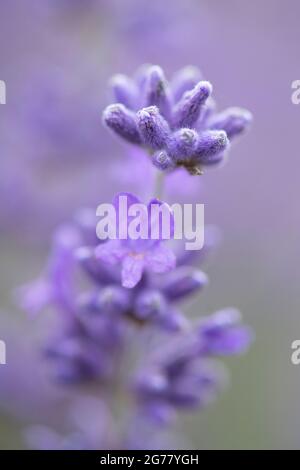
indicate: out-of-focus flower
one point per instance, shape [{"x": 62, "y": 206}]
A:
[
  {"x": 181, "y": 376},
  {"x": 55, "y": 286}
]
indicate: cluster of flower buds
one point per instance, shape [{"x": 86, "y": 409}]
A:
[{"x": 176, "y": 122}]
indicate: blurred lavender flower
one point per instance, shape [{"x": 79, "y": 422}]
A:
[
  {"x": 176, "y": 122},
  {"x": 58, "y": 116},
  {"x": 180, "y": 376},
  {"x": 79, "y": 351},
  {"x": 55, "y": 286},
  {"x": 96, "y": 324}
]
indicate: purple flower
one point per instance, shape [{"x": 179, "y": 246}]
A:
[
  {"x": 176, "y": 121},
  {"x": 141, "y": 254}
]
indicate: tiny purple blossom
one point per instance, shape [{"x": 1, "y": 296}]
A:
[{"x": 137, "y": 256}]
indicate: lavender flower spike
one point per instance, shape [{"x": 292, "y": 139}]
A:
[
  {"x": 177, "y": 122},
  {"x": 120, "y": 326}
]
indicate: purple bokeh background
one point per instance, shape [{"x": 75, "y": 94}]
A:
[{"x": 249, "y": 51}]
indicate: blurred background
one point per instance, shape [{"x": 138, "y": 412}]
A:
[{"x": 56, "y": 57}]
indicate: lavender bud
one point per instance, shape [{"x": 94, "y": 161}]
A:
[
  {"x": 151, "y": 384},
  {"x": 122, "y": 121},
  {"x": 233, "y": 121},
  {"x": 101, "y": 273},
  {"x": 162, "y": 161},
  {"x": 210, "y": 145},
  {"x": 222, "y": 334},
  {"x": 113, "y": 299},
  {"x": 75, "y": 360},
  {"x": 150, "y": 303},
  {"x": 208, "y": 109},
  {"x": 185, "y": 80},
  {"x": 183, "y": 282},
  {"x": 187, "y": 110},
  {"x": 174, "y": 321},
  {"x": 153, "y": 128},
  {"x": 157, "y": 91},
  {"x": 183, "y": 144},
  {"x": 124, "y": 90}
]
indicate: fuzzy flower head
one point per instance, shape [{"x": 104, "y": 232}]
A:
[
  {"x": 143, "y": 252},
  {"x": 176, "y": 122}
]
